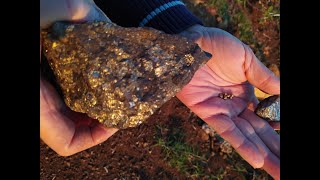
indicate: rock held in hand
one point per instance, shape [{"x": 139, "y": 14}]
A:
[
  {"x": 269, "y": 108},
  {"x": 117, "y": 75}
]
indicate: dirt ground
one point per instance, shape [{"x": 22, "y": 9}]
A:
[{"x": 172, "y": 143}]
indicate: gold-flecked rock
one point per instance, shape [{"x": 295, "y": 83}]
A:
[
  {"x": 269, "y": 108},
  {"x": 117, "y": 75}
]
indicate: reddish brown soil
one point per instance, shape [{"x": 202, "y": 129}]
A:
[
  {"x": 266, "y": 34},
  {"x": 135, "y": 153}
]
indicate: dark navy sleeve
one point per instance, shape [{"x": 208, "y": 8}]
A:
[{"x": 170, "y": 16}]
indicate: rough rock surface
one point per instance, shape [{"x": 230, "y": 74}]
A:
[
  {"x": 117, "y": 75},
  {"x": 269, "y": 108}
]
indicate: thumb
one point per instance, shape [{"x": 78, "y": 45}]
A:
[
  {"x": 95, "y": 14},
  {"x": 259, "y": 75},
  {"x": 69, "y": 10}
]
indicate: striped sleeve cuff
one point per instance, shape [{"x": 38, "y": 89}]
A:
[{"x": 169, "y": 16}]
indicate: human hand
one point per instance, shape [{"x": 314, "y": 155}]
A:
[
  {"x": 66, "y": 131},
  {"x": 69, "y": 10},
  {"x": 233, "y": 69}
]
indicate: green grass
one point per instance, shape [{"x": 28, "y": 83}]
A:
[
  {"x": 269, "y": 14},
  {"x": 244, "y": 27},
  {"x": 242, "y": 2},
  {"x": 244, "y": 169},
  {"x": 180, "y": 155},
  {"x": 189, "y": 161},
  {"x": 222, "y": 8},
  {"x": 238, "y": 18}
]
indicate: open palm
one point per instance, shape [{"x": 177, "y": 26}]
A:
[{"x": 234, "y": 70}]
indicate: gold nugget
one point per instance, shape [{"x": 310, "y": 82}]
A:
[{"x": 226, "y": 96}]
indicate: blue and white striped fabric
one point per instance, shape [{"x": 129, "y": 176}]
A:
[{"x": 159, "y": 10}]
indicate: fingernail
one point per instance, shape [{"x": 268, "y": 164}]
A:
[
  {"x": 208, "y": 54},
  {"x": 258, "y": 163}
]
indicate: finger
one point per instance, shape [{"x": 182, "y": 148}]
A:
[
  {"x": 251, "y": 106},
  {"x": 55, "y": 130},
  {"x": 272, "y": 166},
  {"x": 275, "y": 125},
  {"x": 59, "y": 132},
  {"x": 264, "y": 131},
  {"x": 228, "y": 130},
  {"x": 100, "y": 133},
  {"x": 271, "y": 161},
  {"x": 49, "y": 97},
  {"x": 65, "y": 10},
  {"x": 259, "y": 75},
  {"x": 246, "y": 128},
  {"x": 79, "y": 119},
  {"x": 54, "y": 10},
  {"x": 97, "y": 14},
  {"x": 85, "y": 137}
]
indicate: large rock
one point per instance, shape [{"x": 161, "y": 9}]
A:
[{"x": 117, "y": 75}]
